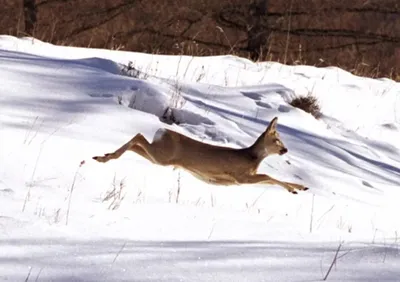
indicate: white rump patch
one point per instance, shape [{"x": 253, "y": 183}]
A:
[{"x": 159, "y": 134}]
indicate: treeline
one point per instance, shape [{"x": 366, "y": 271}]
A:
[{"x": 362, "y": 36}]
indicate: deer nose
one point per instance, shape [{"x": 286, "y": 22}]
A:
[{"x": 283, "y": 151}]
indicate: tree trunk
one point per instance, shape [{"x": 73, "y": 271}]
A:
[
  {"x": 29, "y": 16},
  {"x": 258, "y": 29}
]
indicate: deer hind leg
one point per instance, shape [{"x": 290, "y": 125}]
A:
[
  {"x": 263, "y": 178},
  {"x": 155, "y": 152},
  {"x": 131, "y": 145},
  {"x": 159, "y": 152}
]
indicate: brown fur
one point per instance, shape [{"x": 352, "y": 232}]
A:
[{"x": 212, "y": 164}]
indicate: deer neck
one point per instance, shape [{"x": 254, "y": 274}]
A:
[{"x": 257, "y": 150}]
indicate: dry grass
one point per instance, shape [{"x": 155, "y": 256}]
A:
[
  {"x": 309, "y": 104},
  {"x": 116, "y": 194},
  {"x": 360, "y": 36}
]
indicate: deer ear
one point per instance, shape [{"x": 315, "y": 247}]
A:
[{"x": 272, "y": 125}]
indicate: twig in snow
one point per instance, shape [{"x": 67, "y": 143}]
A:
[
  {"x": 28, "y": 133},
  {"x": 312, "y": 213},
  {"x": 322, "y": 216},
  {"x": 115, "y": 194},
  {"x": 211, "y": 231},
  {"x": 212, "y": 200},
  {"x": 29, "y": 274},
  {"x": 119, "y": 252},
  {"x": 256, "y": 200},
  {"x": 72, "y": 190},
  {"x": 333, "y": 261},
  {"x": 179, "y": 187},
  {"x": 28, "y": 194},
  {"x": 386, "y": 248},
  {"x": 38, "y": 275}
]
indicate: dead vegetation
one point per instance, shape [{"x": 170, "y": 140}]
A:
[
  {"x": 309, "y": 104},
  {"x": 116, "y": 194},
  {"x": 360, "y": 36}
]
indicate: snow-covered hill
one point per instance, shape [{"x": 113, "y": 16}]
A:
[{"x": 61, "y": 105}]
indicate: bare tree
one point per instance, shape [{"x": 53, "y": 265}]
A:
[
  {"x": 30, "y": 17},
  {"x": 257, "y": 29},
  {"x": 251, "y": 19},
  {"x": 358, "y": 35}
]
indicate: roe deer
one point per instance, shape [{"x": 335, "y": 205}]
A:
[{"x": 212, "y": 164}]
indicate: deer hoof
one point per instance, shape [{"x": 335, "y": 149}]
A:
[{"x": 100, "y": 159}]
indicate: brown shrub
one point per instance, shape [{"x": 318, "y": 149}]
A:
[{"x": 308, "y": 104}]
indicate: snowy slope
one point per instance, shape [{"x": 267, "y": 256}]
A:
[{"x": 61, "y": 105}]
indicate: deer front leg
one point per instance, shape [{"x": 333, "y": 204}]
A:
[
  {"x": 263, "y": 178},
  {"x": 291, "y": 187},
  {"x": 296, "y": 186}
]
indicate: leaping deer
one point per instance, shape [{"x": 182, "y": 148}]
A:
[{"x": 213, "y": 164}]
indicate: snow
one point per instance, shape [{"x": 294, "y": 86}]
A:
[{"x": 60, "y": 105}]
